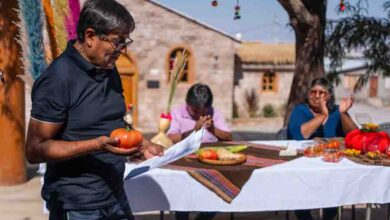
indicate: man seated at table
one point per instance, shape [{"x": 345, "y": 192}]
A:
[
  {"x": 195, "y": 114},
  {"x": 320, "y": 117}
]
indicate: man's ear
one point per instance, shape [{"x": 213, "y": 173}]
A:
[{"x": 90, "y": 36}]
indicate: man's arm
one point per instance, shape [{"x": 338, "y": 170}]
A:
[
  {"x": 220, "y": 134},
  {"x": 217, "y": 126},
  {"x": 346, "y": 120},
  {"x": 178, "y": 137},
  {"x": 41, "y": 147},
  {"x": 308, "y": 128}
]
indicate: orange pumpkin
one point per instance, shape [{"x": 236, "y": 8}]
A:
[{"x": 128, "y": 138}]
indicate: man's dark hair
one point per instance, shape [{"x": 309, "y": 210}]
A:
[
  {"x": 199, "y": 95},
  {"x": 105, "y": 17}
]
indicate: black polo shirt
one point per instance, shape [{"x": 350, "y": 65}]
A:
[{"x": 89, "y": 103}]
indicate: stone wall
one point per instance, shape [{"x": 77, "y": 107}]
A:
[{"x": 252, "y": 80}]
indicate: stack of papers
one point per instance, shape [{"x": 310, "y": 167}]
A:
[{"x": 179, "y": 150}]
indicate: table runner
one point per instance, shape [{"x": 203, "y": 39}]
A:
[{"x": 227, "y": 181}]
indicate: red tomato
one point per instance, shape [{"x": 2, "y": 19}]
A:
[
  {"x": 208, "y": 154},
  {"x": 337, "y": 144},
  {"x": 127, "y": 138}
]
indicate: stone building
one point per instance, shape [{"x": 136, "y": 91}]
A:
[
  {"x": 160, "y": 32},
  {"x": 218, "y": 59},
  {"x": 267, "y": 70}
]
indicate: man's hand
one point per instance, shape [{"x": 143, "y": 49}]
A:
[
  {"x": 204, "y": 121},
  {"x": 324, "y": 107},
  {"x": 108, "y": 144},
  {"x": 150, "y": 150},
  {"x": 346, "y": 104},
  {"x": 208, "y": 122}
]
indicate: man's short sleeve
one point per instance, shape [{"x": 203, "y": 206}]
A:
[
  {"x": 50, "y": 99},
  {"x": 297, "y": 118},
  {"x": 219, "y": 121}
]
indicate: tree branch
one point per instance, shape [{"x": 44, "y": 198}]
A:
[{"x": 297, "y": 10}]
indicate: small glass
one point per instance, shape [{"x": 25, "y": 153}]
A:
[
  {"x": 333, "y": 152},
  {"x": 312, "y": 149},
  {"x": 332, "y": 155}
]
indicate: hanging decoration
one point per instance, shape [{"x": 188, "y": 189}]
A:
[
  {"x": 342, "y": 6},
  {"x": 32, "y": 17},
  {"x": 72, "y": 18},
  {"x": 237, "y": 9},
  {"x": 51, "y": 31},
  {"x": 60, "y": 12},
  {"x": 214, "y": 3},
  {"x": 22, "y": 40}
]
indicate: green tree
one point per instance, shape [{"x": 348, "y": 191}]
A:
[
  {"x": 370, "y": 35},
  {"x": 367, "y": 35}
]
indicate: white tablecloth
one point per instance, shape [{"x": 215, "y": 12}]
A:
[{"x": 302, "y": 183}]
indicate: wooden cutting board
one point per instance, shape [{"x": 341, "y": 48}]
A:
[
  {"x": 364, "y": 159},
  {"x": 240, "y": 160}
]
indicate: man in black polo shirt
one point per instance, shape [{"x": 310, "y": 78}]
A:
[{"x": 76, "y": 103}]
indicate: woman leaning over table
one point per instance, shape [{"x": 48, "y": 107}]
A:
[{"x": 319, "y": 116}]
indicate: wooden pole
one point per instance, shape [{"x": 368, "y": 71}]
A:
[{"x": 12, "y": 125}]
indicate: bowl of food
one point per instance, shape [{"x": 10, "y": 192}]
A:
[
  {"x": 220, "y": 156},
  {"x": 313, "y": 150}
]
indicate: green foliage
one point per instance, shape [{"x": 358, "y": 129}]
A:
[
  {"x": 269, "y": 111},
  {"x": 361, "y": 33}
]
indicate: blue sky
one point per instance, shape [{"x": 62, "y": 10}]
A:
[{"x": 261, "y": 20}]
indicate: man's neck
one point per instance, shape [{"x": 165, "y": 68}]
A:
[{"x": 80, "y": 47}]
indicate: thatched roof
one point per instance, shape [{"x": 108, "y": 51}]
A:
[{"x": 256, "y": 52}]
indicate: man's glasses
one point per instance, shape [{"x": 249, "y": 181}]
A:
[
  {"x": 118, "y": 45},
  {"x": 318, "y": 92}
]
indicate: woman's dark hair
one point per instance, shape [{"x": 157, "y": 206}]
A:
[
  {"x": 329, "y": 87},
  {"x": 199, "y": 95},
  {"x": 105, "y": 17}
]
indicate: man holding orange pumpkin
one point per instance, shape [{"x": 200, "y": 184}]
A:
[{"x": 76, "y": 103}]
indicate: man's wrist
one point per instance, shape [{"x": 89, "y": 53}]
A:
[
  {"x": 97, "y": 144},
  {"x": 322, "y": 116}
]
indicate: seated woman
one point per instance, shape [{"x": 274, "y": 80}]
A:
[
  {"x": 197, "y": 113},
  {"x": 320, "y": 117}
]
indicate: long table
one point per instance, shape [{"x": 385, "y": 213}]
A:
[{"x": 303, "y": 183}]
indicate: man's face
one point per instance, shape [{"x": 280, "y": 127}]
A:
[
  {"x": 105, "y": 49},
  {"x": 316, "y": 94},
  {"x": 196, "y": 112}
]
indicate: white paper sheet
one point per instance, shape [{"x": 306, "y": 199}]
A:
[{"x": 177, "y": 151}]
